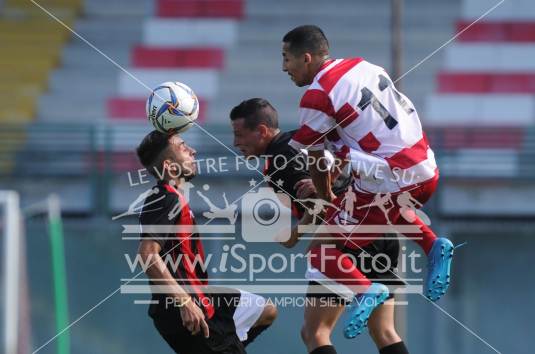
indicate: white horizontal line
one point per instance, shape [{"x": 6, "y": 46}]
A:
[
  {"x": 338, "y": 279},
  {"x": 258, "y": 289},
  {"x": 174, "y": 238},
  {"x": 179, "y": 279},
  {"x": 146, "y": 302},
  {"x": 360, "y": 238},
  {"x": 192, "y": 229},
  {"x": 359, "y": 229}
]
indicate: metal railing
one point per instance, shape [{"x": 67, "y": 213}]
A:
[
  {"x": 63, "y": 150},
  {"x": 96, "y": 156}
]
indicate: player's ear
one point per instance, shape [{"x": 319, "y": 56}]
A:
[
  {"x": 307, "y": 57},
  {"x": 262, "y": 130}
]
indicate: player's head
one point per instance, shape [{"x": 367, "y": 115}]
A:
[
  {"x": 304, "y": 49},
  {"x": 254, "y": 123},
  {"x": 167, "y": 156}
]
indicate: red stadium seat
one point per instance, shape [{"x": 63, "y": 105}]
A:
[
  {"x": 200, "y": 8},
  {"x": 482, "y": 31},
  {"x": 463, "y": 82},
  {"x": 513, "y": 83},
  {"x": 522, "y": 32},
  {"x": 155, "y": 57},
  {"x": 459, "y": 82},
  {"x": 470, "y": 137},
  {"x": 134, "y": 108},
  {"x": 497, "y": 31}
]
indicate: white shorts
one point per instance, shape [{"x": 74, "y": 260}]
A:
[{"x": 247, "y": 313}]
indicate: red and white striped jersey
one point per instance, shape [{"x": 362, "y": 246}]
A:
[{"x": 353, "y": 105}]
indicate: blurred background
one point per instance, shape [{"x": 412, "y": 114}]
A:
[{"x": 70, "y": 120}]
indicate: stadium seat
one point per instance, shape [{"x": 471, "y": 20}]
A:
[
  {"x": 70, "y": 4},
  {"x": 496, "y": 31},
  {"x": 485, "y": 109},
  {"x": 204, "y": 81},
  {"x": 484, "y": 103},
  {"x": 118, "y": 9},
  {"x": 451, "y": 82},
  {"x": 200, "y": 8},
  {"x": 31, "y": 44},
  {"x": 122, "y": 108},
  {"x": 22, "y": 88},
  {"x": 188, "y": 33},
  {"x": 483, "y": 31},
  {"x": 474, "y": 137},
  {"x": 155, "y": 57},
  {"x": 517, "y": 10},
  {"x": 17, "y": 112},
  {"x": 488, "y": 57},
  {"x": 481, "y": 163}
]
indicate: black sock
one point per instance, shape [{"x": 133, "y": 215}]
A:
[
  {"x": 396, "y": 348},
  {"x": 253, "y": 333},
  {"x": 324, "y": 349}
]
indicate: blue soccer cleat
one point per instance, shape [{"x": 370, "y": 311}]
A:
[
  {"x": 362, "y": 307},
  {"x": 438, "y": 269}
]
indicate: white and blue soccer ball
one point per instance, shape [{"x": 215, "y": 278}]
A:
[{"x": 172, "y": 107}]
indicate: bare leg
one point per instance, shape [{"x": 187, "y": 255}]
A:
[
  {"x": 320, "y": 319},
  {"x": 381, "y": 325},
  {"x": 268, "y": 316}
]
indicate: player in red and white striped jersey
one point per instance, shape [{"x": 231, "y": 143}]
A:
[
  {"x": 387, "y": 135},
  {"x": 353, "y": 105}
]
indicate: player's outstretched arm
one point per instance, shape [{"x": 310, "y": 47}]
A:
[{"x": 192, "y": 315}]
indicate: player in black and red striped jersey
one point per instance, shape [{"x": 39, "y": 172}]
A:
[
  {"x": 256, "y": 133},
  {"x": 193, "y": 317}
]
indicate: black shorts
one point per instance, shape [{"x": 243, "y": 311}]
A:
[
  {"x": 377, "y": 261},
  {"x": 235, "y": 313}
]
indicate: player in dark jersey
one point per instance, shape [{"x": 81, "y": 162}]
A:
[
  {"x": 192, "y": 317},
  {"x": 256, "y": 133}
]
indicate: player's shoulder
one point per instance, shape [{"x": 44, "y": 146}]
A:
[
  {"x": 337, "y": 69},
  {"x": 279, "y": 145},
  {"x": 159, "y": 201},
  {"x": 337, "y": 75},
  {"x": 160, "y": 195}
]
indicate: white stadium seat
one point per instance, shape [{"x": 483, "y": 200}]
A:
[
  {"x": 485, "y": 57},
  {"x": 485, "y": 110},
  {"x": 203, "y": 82},
  {"x": 507, "y": 10},
  {"x": 193, "y": 33}
]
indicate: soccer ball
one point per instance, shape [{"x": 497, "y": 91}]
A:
[{"x": 172, "y": 106}]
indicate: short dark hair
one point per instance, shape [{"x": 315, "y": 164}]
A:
[
  {"x": 307, "y": 38},
  {"x": 150, "y": 151},
  {"x": 256, "y": 111}
]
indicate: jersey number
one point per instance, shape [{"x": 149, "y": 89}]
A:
[{"x": 369, "y": 98}]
